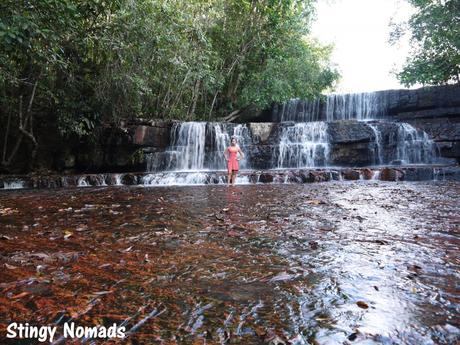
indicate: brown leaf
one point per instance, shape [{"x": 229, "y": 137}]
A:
[
  {"x": 362, "y": 304},
  {"x": 20, "y": 295}
]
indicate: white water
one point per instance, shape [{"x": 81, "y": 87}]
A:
[
  {"x": 18, "y": 184},
  {"x": 360, "y": 106},
  {"x": 378, "y": 153},
  {"x": 303, "y": 145},
  {"x": 413, "y": 146},
  {"x": 188, "y": 179},
  {"x": 187, "y": 146},
  {"x": 199, "y": 146},
  {"x": 117, "y": 178},
  {"x": 299, "y": 111},
  {"x": 83, "y": 182}
]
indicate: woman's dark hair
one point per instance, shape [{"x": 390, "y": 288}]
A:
[{"x": 233, "y": 137}]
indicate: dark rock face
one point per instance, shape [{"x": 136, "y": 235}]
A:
[
  {"x": 351, "y": 175},
  {"x": 368, "y": 174},
  {"x": 348, "y": 132},
  {"x": 427, "y": 102},
  {"x": 435, "y": 110},
  {"x": 266, "y": 178},
  {"x": 352, "y": 143},
  {"x": 156, "y": 134},
  {"x": 391, "y": 174}
]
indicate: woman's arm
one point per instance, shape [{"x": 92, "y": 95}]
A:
[{"x": 241, "y": 152}]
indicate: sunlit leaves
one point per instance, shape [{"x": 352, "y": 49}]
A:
[{"x": 435, "y": 38}]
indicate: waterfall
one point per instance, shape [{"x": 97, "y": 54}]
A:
[
  {"x": 360, "y": 106},
  {"x": 187, "y": 146},
  {"x": 413, "y": 146},
  {"x": 303, "y": 145},
  {"x": 16, "y": 184},
  {"x": 299, "y": 111},
  {"x": 197, "y": 146},
  {"x": 244, "y": 140},
  {"x": 378, "y": 153},
  {"x": 220, "y": 139}
]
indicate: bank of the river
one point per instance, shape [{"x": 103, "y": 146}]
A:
[{"x": 332, "y": 263}]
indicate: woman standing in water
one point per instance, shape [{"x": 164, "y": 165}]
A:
[{"x": 231, "y": 155}]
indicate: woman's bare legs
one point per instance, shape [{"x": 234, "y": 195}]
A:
[
  {"x": 229, "y": 181},
  {"x": 233, "y": 177}
]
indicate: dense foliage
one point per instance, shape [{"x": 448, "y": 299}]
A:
[
  {"x": 76, "y": 65},
  {"x": 435, "y": 38}
]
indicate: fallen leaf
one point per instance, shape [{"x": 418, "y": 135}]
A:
[
  {"x": 362, "y": 304},
  {"x": 20, "y": 295}
]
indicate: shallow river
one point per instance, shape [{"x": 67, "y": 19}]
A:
[{"x": 327, "y": 263}]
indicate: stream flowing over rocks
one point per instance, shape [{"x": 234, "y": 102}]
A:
[
  {"x": 343, "y": 228},
  {"x": 392, "y": 129},
  {"x": 344, "y": 262}
]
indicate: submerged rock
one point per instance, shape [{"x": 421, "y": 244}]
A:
[
  {"x": 391, "y": 174},
  {"x": 351, "y": 175}
]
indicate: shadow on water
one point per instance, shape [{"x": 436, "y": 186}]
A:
[{"x": 365, "y": 262}]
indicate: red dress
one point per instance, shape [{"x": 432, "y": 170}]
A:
[{"x": 232, "y": 164}]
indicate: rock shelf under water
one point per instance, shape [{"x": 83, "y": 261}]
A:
[
  {"x": 326, "y": 263},
  {"x": 171, "y": 178}
]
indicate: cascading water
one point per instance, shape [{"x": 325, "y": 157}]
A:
[
  {"x": 413, "y": 146},
  {"x": 198, "y": 146},
  {"x": 187, "y": 146},
  {"x": 308, "y": 135},
  {"x": 360, "y": 106},
  {"x": 298, "y": 111},
  {"x": 378, "y": 152},
  {"x": 303, "y": 145}
]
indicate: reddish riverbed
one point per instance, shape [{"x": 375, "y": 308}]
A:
[{"x": 328, "y": 263}]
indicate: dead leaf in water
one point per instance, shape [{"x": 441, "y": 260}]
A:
[
  {"x": 362, "y": 304},
  {"x": 20, "y": 295},
  {"x": 316, "y": 202}
]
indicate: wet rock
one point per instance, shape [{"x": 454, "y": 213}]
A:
[
  {"x": 129, "y": 179},
  {"x": 261, "y": 131},
  {"x": 397, "y": 162},
  {"x": 212, "y": 179},
  {"x": 266, "y": 178},
  {"x": 368, "y": 174},
  {"x": 350, "y": 175},
  {"x": 319, "y": 176},
  {"x": 391, "y": 174},
  {"x": 295, "y": 177},
  {"x": 335, "y": 175},
  {"x": 418, "y": 174},
  {"x": 155, "y": 134},
  {"x": 96, "y": 180},
  {"x": 347, "y": 132}
]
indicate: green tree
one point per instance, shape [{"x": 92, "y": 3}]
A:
[
  {"x": 435, "y": 40},
  {"x": 49, "y": 54},
  {"x": 69, "y": 69}
]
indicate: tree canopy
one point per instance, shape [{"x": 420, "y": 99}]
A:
[
  {"x": 435, "y": 40},
  {"x": 76, "y": 65}
]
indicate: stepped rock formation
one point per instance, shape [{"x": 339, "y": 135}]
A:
[{"x": 392, "y": 127}]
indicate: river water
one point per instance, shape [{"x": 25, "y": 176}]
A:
[{"x": 326, "y": 263}]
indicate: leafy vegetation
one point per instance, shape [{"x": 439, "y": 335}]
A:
[
  {"x": 77, "y": 65},
  {"x": 435, "y": 38}
]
